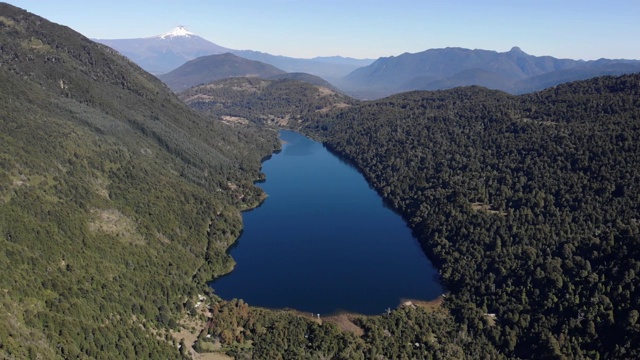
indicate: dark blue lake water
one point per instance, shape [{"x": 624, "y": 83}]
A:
[{"x": 323, "y": 241}]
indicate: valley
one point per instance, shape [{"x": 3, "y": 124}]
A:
[
  {"x": 323, "y": 242},
  {"x": 121, "y": 200}
]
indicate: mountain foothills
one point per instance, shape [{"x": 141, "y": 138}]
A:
[
  {"x": 206, "y": 69},
  {"x": 118, "y": 203},
  {"x": 285, "y": 103}
]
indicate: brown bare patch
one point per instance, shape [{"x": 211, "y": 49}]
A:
[
  {"x": 477, "y": 206},
  {"x": 115, "y": 223},
  {"x": 324, "y": 91},
  {"x": 233, "y": 120},
  {"x": 344, "y": 322},
  {"x": 277, "y": 121},
  {"x": 334, "y": 106},
  {"x": 491, "y": 319},
  {"x": 100, "y": 187},
  {"x": 190, "y": 328},
  {"x": 431, "y": 305},
  {"x": 199, "y": 97},
  {"x": 20, "y": 181}
]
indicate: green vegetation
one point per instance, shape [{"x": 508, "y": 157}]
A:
[
  {"x": 279, "y": 103},
  {"x": 205, "y": 69},
  {"x": 528, "y": 205},
  {"x": 117, "y": 202},
  {"x": 409, "y": 332}
]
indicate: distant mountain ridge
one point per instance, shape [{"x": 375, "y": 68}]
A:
[
  {"x": 163, "y": 53},
  {"x": 207, "y": 69},
  {"x": 513, "y": 71},
  {"x": 329, "y": 68}
]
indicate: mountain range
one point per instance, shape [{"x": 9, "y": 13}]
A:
[
  {"x": 514, "y": 71},
  {"x": 163, "y": 53}
]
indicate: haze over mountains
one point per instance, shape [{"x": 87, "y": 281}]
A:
[
  {"x": 163, "y": 53},
  {"x": 207, "y": 69},
  {"x": 513, "y": 71},
  {"x": 210, "y": 68}
]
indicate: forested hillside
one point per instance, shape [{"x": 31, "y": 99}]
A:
[
  {"x": 528, "y": 205},
  {"x": 281, "y": 103},
  {"x": 206, "y": 69},
  {"x": 117, "y": 202}
]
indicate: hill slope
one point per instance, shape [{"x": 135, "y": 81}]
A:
[
  {"x": 527, "y": 204},
  {"x": 116, "y": 201},
  {"x": 282, "y": 103},
  {"x": 307, "y": 78},
  {"x": 210, "y": 68}
]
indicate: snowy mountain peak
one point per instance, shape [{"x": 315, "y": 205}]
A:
[{"x": 179, "y": 31}]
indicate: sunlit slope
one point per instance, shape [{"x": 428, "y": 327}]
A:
[
  {"x": 116, "y": 200},
  {"x": 285, "y": 103}
]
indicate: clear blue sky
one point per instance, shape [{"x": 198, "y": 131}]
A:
[{"x": 578, "y": 29}]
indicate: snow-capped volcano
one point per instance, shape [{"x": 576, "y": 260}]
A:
[
  {"x": 180, "y": 31},
  {"x": 162, "y": 53}
]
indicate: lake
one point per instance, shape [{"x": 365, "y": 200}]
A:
[{"x": 323, "y": 241}]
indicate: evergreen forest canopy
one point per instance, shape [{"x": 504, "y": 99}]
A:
[
  {"x": 118, "y": 203},
  {"x": 528, "y": 205}
]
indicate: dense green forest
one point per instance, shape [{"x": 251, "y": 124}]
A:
[
  {"x": 118, "y": 203},
  {"x": 528, "y": 205}
]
